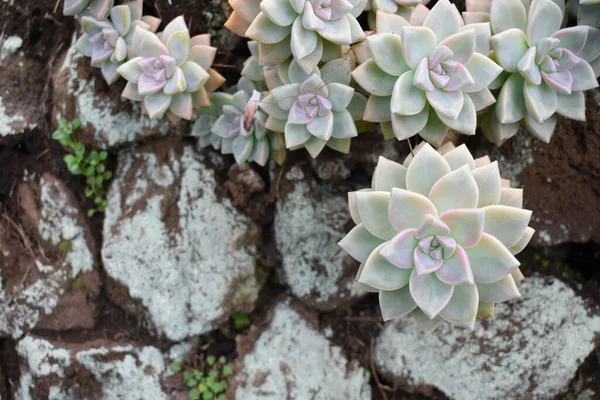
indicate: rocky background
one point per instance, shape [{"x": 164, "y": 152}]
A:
[{"x": 190, "y": 244}]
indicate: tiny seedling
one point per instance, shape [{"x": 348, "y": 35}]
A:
[{"x": 79, "y": 161}]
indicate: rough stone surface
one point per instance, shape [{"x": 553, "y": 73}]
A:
[
  {"x": 175, "y": 252},
  {"x": 286, "y": 357},
  {"x": 531, "y": 349},
  {"x": 53, "y": 286},
  {"x": 311, "y": 218},
  {"x": 107, "y": 120},
  {"x": 91, "y": 370}
]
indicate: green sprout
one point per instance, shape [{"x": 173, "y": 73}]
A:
[
  {"x": 240, "y": 321},
  {"x": 208, "y": 381},
  {"x": 81, "y": 162}
]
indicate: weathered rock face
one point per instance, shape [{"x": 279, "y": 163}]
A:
[
  {"x": 177, "y": 254},
  {"x": 287, "y": 358},
  {"x": 310, "y": 220},
  {"x": 107, "y": 120},
  {"x": 531, "y": 349},
  {"x": 53, "y": 286},
  {"x": 92, "y": 370}
]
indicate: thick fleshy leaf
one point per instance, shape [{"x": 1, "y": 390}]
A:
[
  {"x": 179, "y": 46},
  {"x": 274, "y": 54},
  {"x": 466, "y": 122},
  {"x": 572, "y": 38},
  {"x": 339, "y": 96},
  {"x": 510, "y": 107},
  {"x": 541, "y": 101},
  {"x": 264, "y": 31},
  {"x": 379, "y": 273},
  {"x": 417, "y": 43},
  {"x": 303, "y": 41},
  {"x": 584, "y": 77},
  {"x": 396, "y": 304},
  {"x": 485, "y": 310},
  {"x": 591, "y": 50},
  {"x": 195, "y": 76},
  {"x": 424, "y": 323},
  {"x": 541, "y": 131},
  {"x": 572, "y": 106},
  {"x": 490, "y": 260},
  {"x": 511, "y": 197},
  {"x": 389, "y": 174},
  {"x": 430, "y": 294},
  {"x": 407, "y": 209},
  {"x": 507, "y": 224},
  {"x": 242, "y": 148},
  {"x": 337, "y": 31},
  {"x": 488, "y": 183},
  {"x": 343, "y": 125},
  {"x": 338, "y": 71},
  {"x": 359, "y": 243},
  {"x": 509, "y": 47},
  {"x": 280, "y": 12},
  {"x": 182, "y": 105},
  {"x": 399, "y": 251},
  {"x": 373, "y": 209},
  {"x": 407, "y": 99},
  {"x": 157, "y": 104},
  {"x": 443, "y": 19},
  {"x": 407, "y": 126},
  {"x": 314, "y": 146},
  {"x": 544, "y": 20},
  {"x": 296, "y": 135},
  {"x": 462, "y": 307},
  {"x": 466, "y": 225},
  {"x": 321, "y": 127},
  {"x": 456, "y": 269},
  {"x": 431, "y": 226},
  {"x": 523, "y": 242},
  {"x": 503, "y": 290},
  {"x": 120, "y": 16},
  {"x": 84, "y": 46},
  {"x": 286, "y": 95},
  {"x": 386, "y": 50},
  {"x": 109, "y": 72},
  {"x": 131, "y": 92},
  {"x": 390, "y": 23},
  {"x": 459, "y": 156},
  {"x": 174, "y": 85},
  {"x": 462, "y": 45},
  {"x": 483, "y": 70},
  {"x": 427, "y": 167},
  {"x": 448, "y": 104},
  {"x": 373, "y": 79},
  {"x": 435, "y": 130},
  {"x": 508, "y": 14},
  {"x": 131, "y": 70},
  {"x": 205, "y": 55},
  {"x": 353, "y": 207},
  {"x": 457, "y": 189},
  {"x": 483, "y": 35},
  {"x": 424, "y": 264}
]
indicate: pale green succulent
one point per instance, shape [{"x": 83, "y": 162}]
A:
[
  {"x": 253, "y": 75},
  {"x": 170, "y": 73},
  {"x": 403, "y": 8},
  {"x": 206, "y": 118},
  {"x": 427, "y": 79},
  {"x": 100, "y": 9},
  {"x": 109, "y": 42},
  {"x": 314, "y": 110},
  {"x": 588, "y": 12},
  {"x": 549, "y": 67},
  {"x": 436, "y": 236},
  {"x": 309, "y": 30}
]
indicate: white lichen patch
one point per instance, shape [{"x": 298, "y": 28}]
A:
[
  {"x": 10, "y": 46},
  {"x": 291, "y": 360},
  {"x": 531, "y": 349},
  {"x": 12, "y": 123},
  {"x": 192, "y": 271},
  {"x": 514, "y": 163}
]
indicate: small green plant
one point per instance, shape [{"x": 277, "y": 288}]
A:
[
  {"x": 240, "y": 321},
  {"x": 208, "y": 381},
  {"x": 81, "y": 162}
]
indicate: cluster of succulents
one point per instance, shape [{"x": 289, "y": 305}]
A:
[{"x": 436, "y": 236}]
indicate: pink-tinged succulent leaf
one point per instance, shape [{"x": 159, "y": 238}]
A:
[
  {"x": 490, "y": 260},
  {"x": 462, "y": 307},
  {"x": 572, "y": 38},
  {"x": 271, "y": 106},
  {"x": 420, "y": 12},
  {"x": 545, "y": 18},
  {"x": 280, "y": 12},
  {"x": 195, "y": 76},
  {"x": 507, "y": 224},
  {"x": 462, "y": 45},
  {"x": 572, "y": 106},
  {"x": 482, "y": 161},
  {"x": 264, "y": 31},
  {"x": 509, "y": 14},
  {"x": 148, "y": 85},
  {"x": 303, "y": 41},
  {"x": 497, "y": 292},
  {"x": 456, "y": 269},
  {"x": 390, "y": 23},
  {"x": 388, "y": 175},
  {"x": 483, "y": 71},
  {"x": 396, "y": 304},
  {"x": 457, "y": 189},
  {"x": 360, "y": 243},
  {"x": 248, "y": 9},
  {"x": 339, "y": 96},
  {"x": 584, "y": 77},
  {"x": 424, "y": 263},
  {"x": 511, "y": 107},
  {"x": 203, "y": 56},
  {"x": 181, "y": 106},
  {"x": 488, "y": 183},
  {"x": 407, "y": 99},
  {"x": 448, "y": 104},
  {"x": 528, "y": 67},
  {"x": 337, "y": 31},
  {"x": 431, "y": 225},
  {"x": 523, "y": 242},
  {"x": 321, "y": 127},
  {"x": 379, "y": 273},
  {"x": 511, "y": 197},
  {"x": 386, "y": 50},
  {"x": 150, "y": 45},
  {"x": 591, "y": 50},
  {"x": 157, "y": 104},
  {"x": 131, "y": 92},
  {"x": 353, "y": 207},
  {"x": 422, "y": 77},
  {"x": 424, "y": 323},
  {"x": 541, "y": 101},
  {"x": 84, "y": 45},
  {"x": 373, "y": 79},
  {"x": 509, "y": 47},
  {"x": 459, "y": 156},
  {"x": 176, "y": 84},
  {"x": 466, "y": 122},
  {"x": 405, "y": 127},
  {"x": 560, "y": 81},
  {"x": 517, "y": 275},
  {"x": 427, "y": 167},
  {"x": 443, "y": 19},
  {"x": 541, "y": 131},
  {"x": 109, "y": 72},
  {"x": 400, "y": 250},
  {"x": 466, "y": 225},
  {"x": 373, "y": 209},
  {"x": 417, "y": 43},
  {"x": 309, "y": 19},
  {"x": 430, "y": 294},
  {"x": 483, "y": 35}
]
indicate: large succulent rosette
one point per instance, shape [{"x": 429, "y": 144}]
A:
[
  {"x": 313, "y": 110},
  {"x": 427, "y": 79},
  {"x": 437, "y": 235},
  {"x": 109, "y": 41}
]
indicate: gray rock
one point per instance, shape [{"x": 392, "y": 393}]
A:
[
  {"x": 531, "y": 349},
  {"x": 177, "y": 254},
  {"x": 287, "y": 358}
]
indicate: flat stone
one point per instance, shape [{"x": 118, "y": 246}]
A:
[
  {"x": 90, "y": 370},
  {"x": 177, "y": 254},
  {"x": 531, "y": 349},
  {"x": 286, "y": 357},
  {"x": 310, "y": 220}
]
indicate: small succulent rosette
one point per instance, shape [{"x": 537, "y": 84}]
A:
[
  {"x": 314, "y": 110},
  {"x": 253, "y": 76},
  {"x": 170, "y": 72},
  {"x": 403, "y": 8},
  {"x": 206, "y": 118},
  {"x": 109, "y": 41},
  {"x": 99, "y": 9},
  {"x": 309, "y": 30},
  {"x": 437, "y": 236},
  {"x": 427, "y": 79}
]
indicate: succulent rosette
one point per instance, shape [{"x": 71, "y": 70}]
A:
[
  {"x": 427, "y": 79},
  {"x": 588, "y": 12},
  {"x": 314, "y": 110},
  {"x": 206, "y": 118},
  {"x": 109, "y": 42},
  {"x": 404, "y": 8},
  {"x": 253, "y": 76},
  {"x": 309, "y": 30},
  {"x": 100, "y": 9},
  {"x": 170, "y": 73},
  {"x": 436, "y": 237}
]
